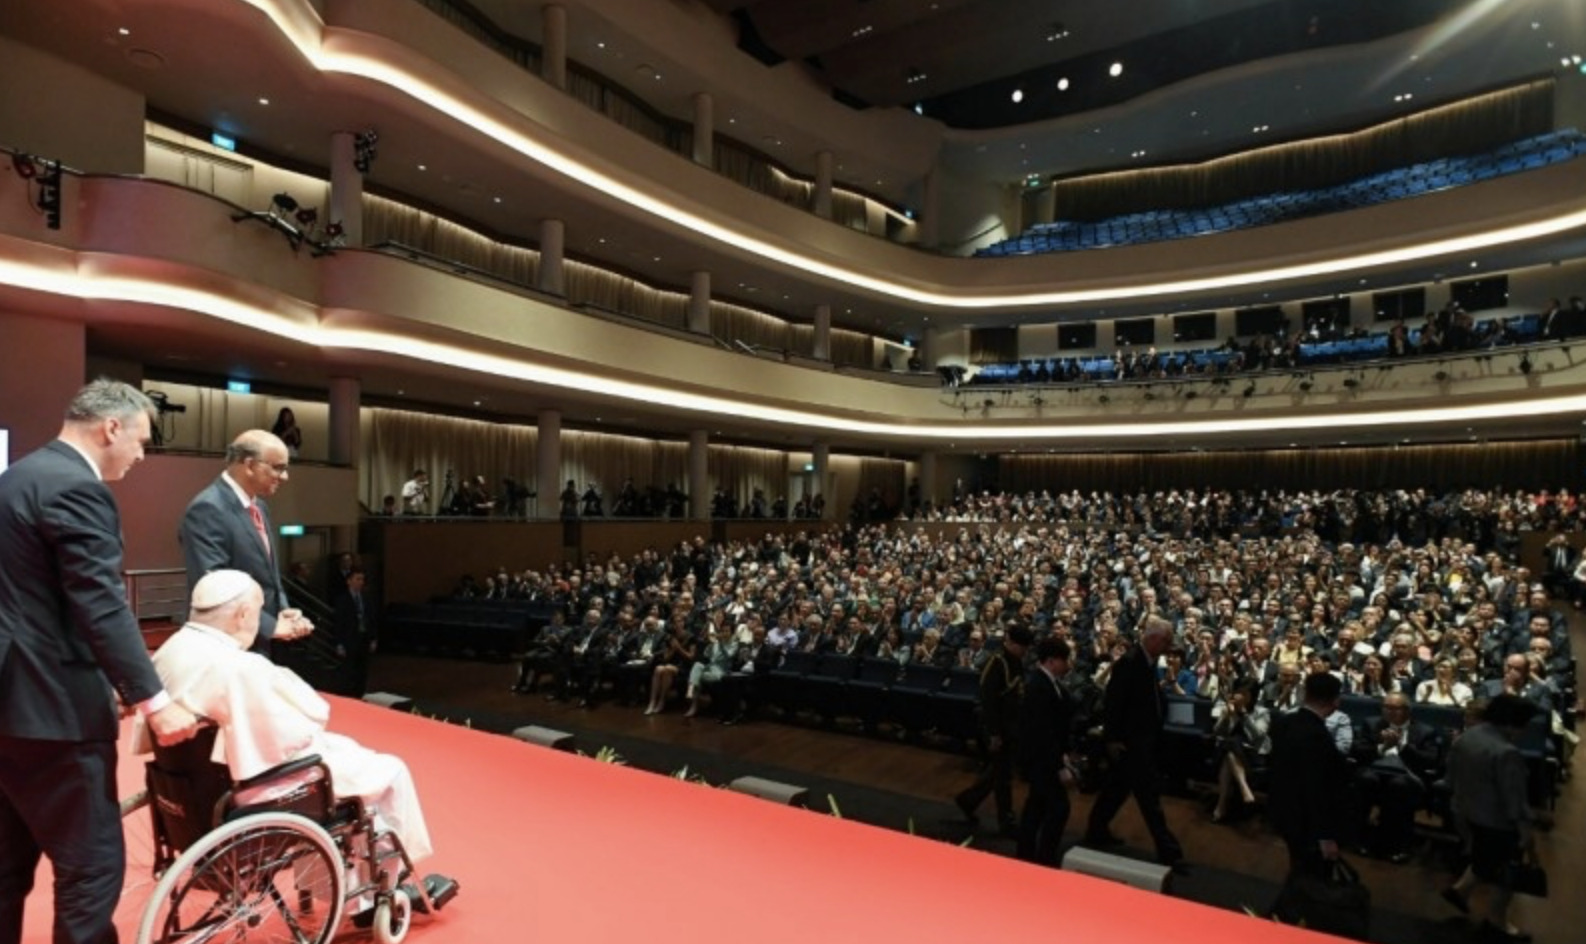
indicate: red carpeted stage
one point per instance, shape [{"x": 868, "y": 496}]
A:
[{"x": 550, "y": 846}]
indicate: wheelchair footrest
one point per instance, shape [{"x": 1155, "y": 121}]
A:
[{"x": 440, "y": 889}]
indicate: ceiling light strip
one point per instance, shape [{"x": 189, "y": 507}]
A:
[
  {"x": 82, "y": 284},
  {"x": 428, "y": 95}
]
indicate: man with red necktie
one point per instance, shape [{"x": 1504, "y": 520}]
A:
[{"x": 227, "y": 527}]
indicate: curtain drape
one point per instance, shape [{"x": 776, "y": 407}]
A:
[{"x": 1529, "y": 464}]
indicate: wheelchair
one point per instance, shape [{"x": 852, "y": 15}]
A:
[{"x": 273, "y": 858}]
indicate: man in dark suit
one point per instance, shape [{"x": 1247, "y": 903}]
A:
[
  {"x": 1308, "y": 777},
  {"x": 355, "y": 635},
  {"x": 1045, "y": 720},
  {"x": 67, "y": 638},
  {"x": 1001, "y": 692},
  {"x": 227, "y": 527},
  {"x": 1399, "y": 759},
  {"x": 1133, "y": 710}
]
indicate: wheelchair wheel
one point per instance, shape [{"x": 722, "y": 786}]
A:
[
  {"x": 264, "y": 878},
  {"x": 392, "y": 917}
]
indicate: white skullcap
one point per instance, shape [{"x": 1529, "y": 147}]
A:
[{"x": 219, "y": 587}]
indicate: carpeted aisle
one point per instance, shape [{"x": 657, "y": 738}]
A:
[{"x": 555, "y": 847}]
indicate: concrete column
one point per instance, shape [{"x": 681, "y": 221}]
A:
[
  {"x": 1569, "y": 99},
  {"x": 822, "y": 456},
  {"x": 553, "y": 238},
  {"x": 928, "y": 478},
  {"x": 345, "y": 396},
  {"x": 699, "y": 490},
  {"x": 553, "y": 52},
  {"x": 822, "y": 349},
  {"x": 1045, "y": 203},
  {"x": 704, "y": 130},
  {"x": 548, "y": 464},
  {"x": 823, "y": 184},
  {"x": 699, "y": 303},
  {"x": 930, "y": 209},
  {"x": 346, "y": 189},
  {"x": 930, "y": 345}
]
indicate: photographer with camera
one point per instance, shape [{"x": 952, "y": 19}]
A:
[{"x": 416, "y": 494}]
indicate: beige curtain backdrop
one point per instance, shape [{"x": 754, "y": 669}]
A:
[
  {"x": 1530, "y": 464},
  {"x": 386, "y": 221}
]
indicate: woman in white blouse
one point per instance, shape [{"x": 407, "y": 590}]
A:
[{"x": 1443, "y": 688}]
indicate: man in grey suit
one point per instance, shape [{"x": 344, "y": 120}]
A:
[
  {"x": 1488, "y": 777},
  {"x": 67, "y": 639},
  {"x": 227, "y": 527}
]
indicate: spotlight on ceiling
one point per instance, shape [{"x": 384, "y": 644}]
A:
[
  {"x": 1440, "y": 376},
  {"x": 1525, "y": 363},
  {"x": 1351, "y": 382},
  {"x": 284, "y": 202},
  {"x": 1018, "y": 95},
  {"x": 1305, "y": 385},
  {"x": 1250, "y": 391},
  {"x": 1115, "y": 70}
]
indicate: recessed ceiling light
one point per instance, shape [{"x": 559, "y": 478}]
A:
[
  {"x": 497, "y": 199},
  {"x": 600, "y": 45},
  {"x": 1062, "y": 84},
  {"x": 919, "y": 108},
  {"x": 264, "y": 101},
  {"x": 1115, "y": 70},
  {"x": 1018, "y": 96},
  {"x": 124, "y": 31}
]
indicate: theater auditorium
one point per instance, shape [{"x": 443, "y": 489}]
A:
[{"x": 703, "y": 390}]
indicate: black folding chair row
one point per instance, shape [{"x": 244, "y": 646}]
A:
[{"x": 874, "y": 690}]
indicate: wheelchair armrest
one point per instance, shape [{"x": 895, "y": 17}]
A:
[{"x": 280, "y": 771}]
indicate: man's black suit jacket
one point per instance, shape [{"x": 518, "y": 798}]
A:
[
  {"x": 65, "y": 626},
  {"x": 1133, "y": 704},
  {"x": 1422, "y": 751},
  {"x": 217, "y": 534},
  {"x": 1307, "y": 779},
  {"x": 1046, "y": 720}
]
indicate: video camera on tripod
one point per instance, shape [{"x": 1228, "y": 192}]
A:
[{"x": 165, "y": 408}]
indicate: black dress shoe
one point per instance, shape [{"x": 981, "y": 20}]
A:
[
  {"x": 1101, "y": 841},
  {"x": 1178, "y": 867},
  {"x": 968, "y": 811}
]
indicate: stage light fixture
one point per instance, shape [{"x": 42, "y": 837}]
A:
[
  {"x": 1525, "y": 363},
  {"x": 284, "y": 203},
  {"x": 50, "y": 194}
]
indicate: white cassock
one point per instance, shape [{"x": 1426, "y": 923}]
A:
[{"x": 268, "y": 716}]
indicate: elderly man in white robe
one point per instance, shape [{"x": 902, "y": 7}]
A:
[{"x": 267, "y": 714}]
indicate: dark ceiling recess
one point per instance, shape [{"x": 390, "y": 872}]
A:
[{"x": 868, "y": 59}]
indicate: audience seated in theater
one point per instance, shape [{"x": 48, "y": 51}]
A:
[{"x": 1397, "y": 591}]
